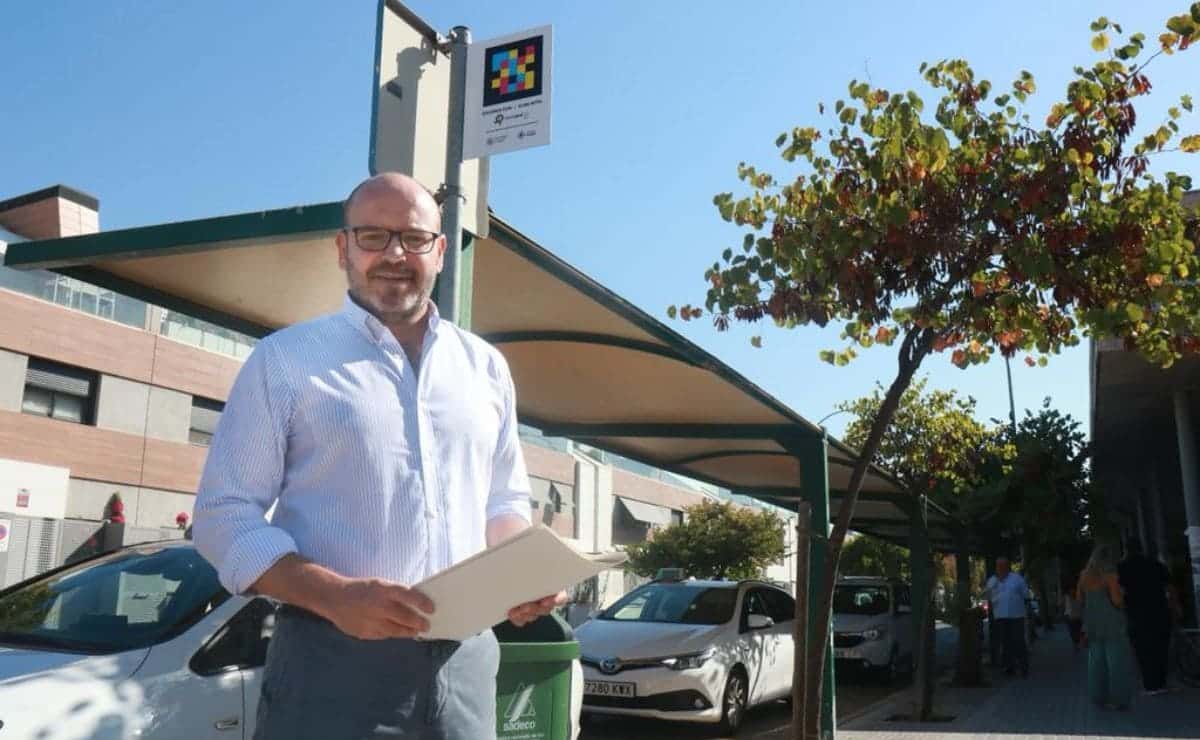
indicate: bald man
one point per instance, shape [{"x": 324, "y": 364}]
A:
[{"x": 386, "y": 439}]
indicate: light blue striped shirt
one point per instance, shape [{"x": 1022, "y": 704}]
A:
[{"x": 375, "y": 470}]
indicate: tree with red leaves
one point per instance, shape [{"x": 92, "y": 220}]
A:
[{"x": 970, "y": 230}]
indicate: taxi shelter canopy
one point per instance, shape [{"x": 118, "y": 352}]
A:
[{"x": 587, "y": 364}]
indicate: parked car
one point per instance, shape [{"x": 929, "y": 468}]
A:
[
  {"x": 690, "y": 650},
  {"x": 872, "y": 625},
  {"x": 140, "y": 642}
]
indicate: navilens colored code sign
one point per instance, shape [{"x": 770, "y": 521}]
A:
[
  {"x": 513, "y": 71},
  {"x": 508, "y": 94}
]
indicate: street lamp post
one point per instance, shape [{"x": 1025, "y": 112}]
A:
[
  {"x": 1012, "y": 407},
  {"x": 821, "y": 423}
]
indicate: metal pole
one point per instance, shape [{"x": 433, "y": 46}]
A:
[
  {"x": 800, "y": 622},
  {"x": 1189, "y": 469},
  {"x": 813, "y": 455},
  {"x": 448, "y": 290},
  {"x": 1012, "y": 406}
]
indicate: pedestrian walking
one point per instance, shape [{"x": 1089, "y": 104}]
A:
[
  {"x": 1008, "y": 591},
  {"x": 386, "y": 440},
  {"x": 1110, "y": 681},
  {"x": 1146, "y": 582}
]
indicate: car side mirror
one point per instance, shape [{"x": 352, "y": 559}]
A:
[{"x": 759, "y": 622}]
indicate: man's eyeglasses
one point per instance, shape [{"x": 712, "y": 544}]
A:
[{"x": 377, "y": 239}]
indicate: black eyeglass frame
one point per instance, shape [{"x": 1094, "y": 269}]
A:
[{"x": 394, "y": 236}]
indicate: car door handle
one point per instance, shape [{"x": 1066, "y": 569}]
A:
[{"x": 226, "y": 724}]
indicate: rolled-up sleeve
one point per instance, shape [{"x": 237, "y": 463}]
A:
[
  {"x": 243, "y": 476},
  {"x": 510, "y": 489}
]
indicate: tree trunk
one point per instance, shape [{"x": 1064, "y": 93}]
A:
[{"x": 917, "y": 344}]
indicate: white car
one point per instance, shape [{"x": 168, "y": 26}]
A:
[
  {"x": 872, "y": 625},
  {"x": 142, "y": 642},
  {"x": 695, "y": 651}
]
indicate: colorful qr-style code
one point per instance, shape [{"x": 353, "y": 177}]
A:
[{"x": 513, "y": 71}]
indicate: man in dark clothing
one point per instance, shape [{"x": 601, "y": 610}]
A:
[{"x": 1145, "y": 582}]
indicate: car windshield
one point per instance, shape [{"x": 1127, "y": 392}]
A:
[
  {"x": 130, "y": 599},
  {"x": 674, "y": 603},
  {"x": 854, "y": 599}
]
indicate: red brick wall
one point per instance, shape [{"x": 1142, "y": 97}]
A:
[
  {"x": 640, "y": 488},
  {"x": 50, "y": 218},
  {"x": 101, "y": 454},
  {"x": 549, "y": 464},
  {"x": 43, "y": 329}
]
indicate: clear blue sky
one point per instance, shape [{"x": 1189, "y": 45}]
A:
[{"x": 169, "y": 111}]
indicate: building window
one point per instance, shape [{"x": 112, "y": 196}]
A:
[
  {"x": 205, "y": 415},
  {"x": 59, "y": 391},
  {"x": 205, "y": 335},
  {"x": 74, "y": 294}
]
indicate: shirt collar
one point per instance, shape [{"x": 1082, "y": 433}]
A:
[{"x": 373, "y": 329}]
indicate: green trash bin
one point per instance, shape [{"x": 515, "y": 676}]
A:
[{"x": 536, "y": 683}]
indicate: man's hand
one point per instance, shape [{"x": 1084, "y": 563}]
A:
[
  {"x": 366, "y": 608},
  {"x": 523, "y": 614},
  {"x": 375, "y": 609}
]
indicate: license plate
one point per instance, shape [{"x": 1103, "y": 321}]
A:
[
  {"x": 843, "y": 653},
  {"x": 610, "y": 688}
]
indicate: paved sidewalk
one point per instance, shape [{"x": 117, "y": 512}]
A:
[{"x": 1051, "y": 703}]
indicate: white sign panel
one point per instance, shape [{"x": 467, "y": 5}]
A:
[
  {"x": 33, "y": 490},
  {"x": 508, "y": 94},
  {"x": 5, "y": 528},
  {"x": 410, "y": 101}
]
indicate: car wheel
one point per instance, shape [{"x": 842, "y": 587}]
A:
[{"x": 733, "y": 703}]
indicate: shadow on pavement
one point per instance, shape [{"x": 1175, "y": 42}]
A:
[{"x": 1051, "y": 702}]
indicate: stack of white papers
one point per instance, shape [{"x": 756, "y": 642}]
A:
[{"x": 478, "y": 592}]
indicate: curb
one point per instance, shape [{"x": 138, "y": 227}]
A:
[{"x": 893, "y": 698}]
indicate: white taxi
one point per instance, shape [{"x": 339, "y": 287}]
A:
[
  {"x": 694, "y": 651},
  {"x": 142, "y": 642}
]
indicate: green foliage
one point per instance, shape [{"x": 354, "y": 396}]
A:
[
  {"x": 1040, "y": 495},
  {"x": 717, "y": 540},
  {"x": 25, "y": 609},
  {"x": 870, "y": 556},
  {"x": 934, "y": 441},
  {"x": 967, "y": 227}
]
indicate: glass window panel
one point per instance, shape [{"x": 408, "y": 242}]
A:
[
  {"x": 129, "y": 311},
  {"x": 62, "y": 293},
  {"x": 105, "y": 305},
  {"x": 68, "y": 407},
  {"x": 127, "y": 600},
  {"x": 37, "y": 401},
  {"x": 22, "y": 281},
  {"x": 87, "y": 302}
]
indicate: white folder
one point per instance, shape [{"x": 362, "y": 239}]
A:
[{"x": 476, "y": 593}]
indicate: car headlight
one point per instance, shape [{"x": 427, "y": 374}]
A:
[
  {"x": 687, "y": 662},
  {"x": 874, "y": 634}
]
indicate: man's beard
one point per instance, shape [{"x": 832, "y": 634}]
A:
[{"x": 412, "y": 303}]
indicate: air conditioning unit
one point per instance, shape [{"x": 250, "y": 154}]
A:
[
  {"x": 29, "y": 546},
  {"x": 33, "y": 501}
]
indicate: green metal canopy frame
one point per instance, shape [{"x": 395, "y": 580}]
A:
[{"x": 587, "y": 364}]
